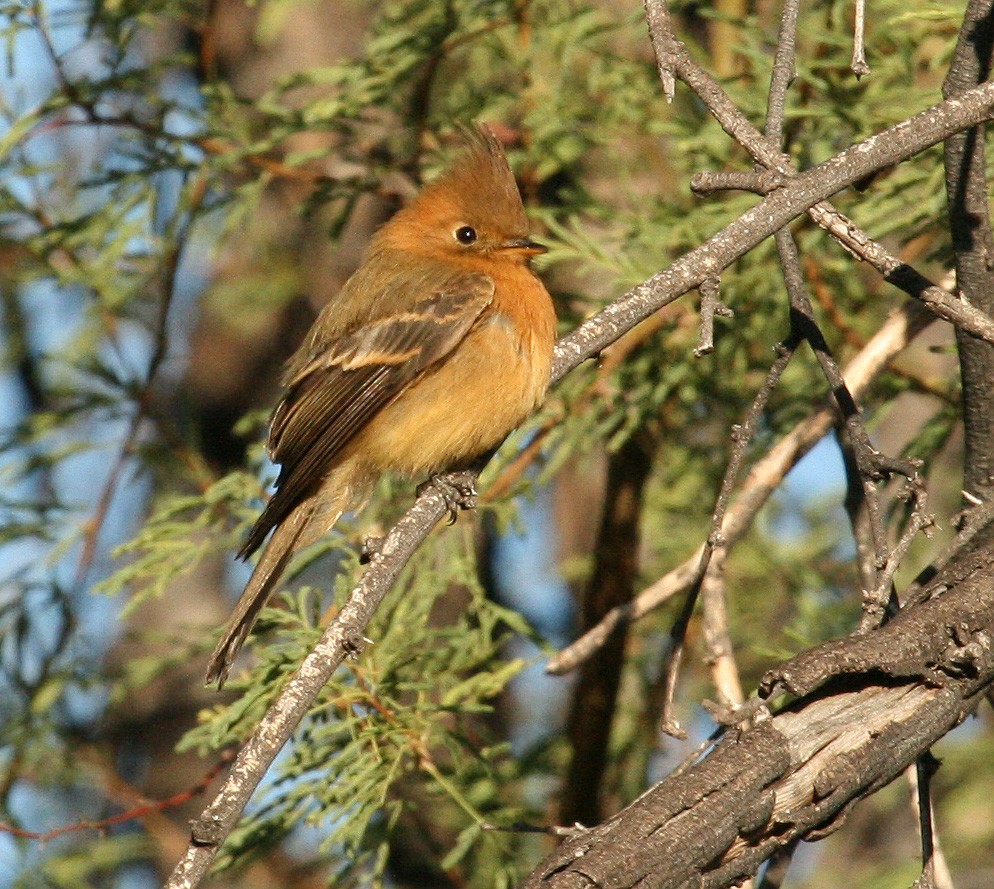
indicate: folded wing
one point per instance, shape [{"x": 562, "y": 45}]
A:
[{"x": 340, "y": 389}]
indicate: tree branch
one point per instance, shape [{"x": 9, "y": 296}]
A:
[
  {"x": 969, "y": 219},
  {"x": 796, "y": 775},
  {"x": 673, "y": 59},
  {"x": 762, "y": 480},
  {"x": 803, "y": 191},
  {"x": 342, "y": 638}
]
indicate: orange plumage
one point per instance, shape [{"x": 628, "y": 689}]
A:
[{"x": 434, "y": 350}]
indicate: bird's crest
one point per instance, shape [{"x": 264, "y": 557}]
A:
[{"x": 481, "y": 180}]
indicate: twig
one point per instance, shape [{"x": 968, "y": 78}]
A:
[
  {"x": 664, "y": 61},
  {"x": 870, "y": 466},
  {"x": 784, "y": 71},
  {"x": 858, "y": 65},
  {"x": 142, "y": 810},
  {"x": 710, "y": 306},
  {"x": 741, "y": 436},
  {"x": 875, "y": 601},
  {"x": 858, "y": 442},
  {"x": 709, "y": 578},
  {"x": 826, "y": 301},
  {"x": 861, "y": 497},
  {"x": 757, "y": 181},
  {"x": 717, "y": 639},
  {"x": 935, "y": 872},
  {"x": 854, "y": 502},
  {"x": 972, "y": 522}
]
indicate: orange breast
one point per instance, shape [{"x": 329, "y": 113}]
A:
[{"x": 495, "y": 377}]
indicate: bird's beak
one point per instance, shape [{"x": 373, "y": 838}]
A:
[{"x": 526, "y": 246}]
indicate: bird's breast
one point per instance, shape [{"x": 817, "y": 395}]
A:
[{"x": 475, "y": 396}]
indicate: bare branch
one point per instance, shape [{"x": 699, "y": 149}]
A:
[
  {"x": 717, "y": 639},
  {"x": 804, "y": 190},
  {"x": 870, "y": 467},
  {"x": 859, "y": 65},
  {"x": 710, "y": 306},
  {"x": 935, "y": 872},
  {"x": 664, "y": 63},
  {"x": 757, "y": 181},
  {"x": 973, "y": 244},
  {"x": 863, "y": 454},
  {"x": 876, "y": 600},
  {"x": 762, "y": 480},
  {"x": 742, "y": 434},
  {"x": 342, "y": 638},
  {"x": 784, "y": 71}
]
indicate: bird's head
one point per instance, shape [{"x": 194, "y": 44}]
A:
[{"x": 473, "y": 209}]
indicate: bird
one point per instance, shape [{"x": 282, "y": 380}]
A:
[{"x": 438, "y": 346}]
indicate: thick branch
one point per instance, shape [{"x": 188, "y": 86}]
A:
[{"x": 797, "y": 774}]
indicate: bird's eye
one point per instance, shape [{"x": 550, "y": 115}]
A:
[{"x": 465, "y": 234}]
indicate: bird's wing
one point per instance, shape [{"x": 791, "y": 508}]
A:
[{"x": 340, "y": 389}]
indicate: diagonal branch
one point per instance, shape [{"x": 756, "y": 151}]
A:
[
  {"x": 801, "y": 192},
  {"x": 797, "y": 774},
  {"x": 673, "y": 59}
]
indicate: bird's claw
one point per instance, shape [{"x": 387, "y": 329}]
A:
[
  {"x": 352, "y": 646},
  {"x": 369, "y": 548},
  {"x": 458, "y": 490}
]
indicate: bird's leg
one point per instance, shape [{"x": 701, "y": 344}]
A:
[{"x": 458, "y": 490}]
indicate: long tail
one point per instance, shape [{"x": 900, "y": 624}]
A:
[{"x": 276, "y": 555}]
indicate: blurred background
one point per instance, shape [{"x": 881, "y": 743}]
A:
[{"x": 183, "y": 186}]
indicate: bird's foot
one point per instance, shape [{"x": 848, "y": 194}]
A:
[
  {"x": 458, "y": 490},
  {"x": 369, "y": 548}
]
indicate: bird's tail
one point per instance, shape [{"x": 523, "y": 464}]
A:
[{"x": 286, "y": 540}]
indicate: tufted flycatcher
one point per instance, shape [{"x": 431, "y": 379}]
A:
[{"x": 433, "y": 351}]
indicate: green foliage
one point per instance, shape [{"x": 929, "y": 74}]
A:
[
  {"x": 401, "y": 728},
  {"x": 148, "y": 186},
  {"x": 179, "y": 535}
]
